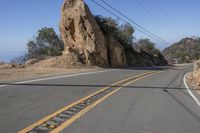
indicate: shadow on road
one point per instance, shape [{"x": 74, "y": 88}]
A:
[
  {"x": 160, "y": 68},
  {"x": 197, "y": 117},
  {"x": 84, "y": 85},
  {"x": 164, "y": 89}
]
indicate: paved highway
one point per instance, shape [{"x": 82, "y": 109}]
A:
[{"x": 156, "y": 103}]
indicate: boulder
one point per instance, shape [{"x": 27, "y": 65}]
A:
[{"x": 81, "y": 33}]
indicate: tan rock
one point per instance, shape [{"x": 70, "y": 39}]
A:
[
  {"x": 31, "y": 61},
  {"x": 84, "y": 40},
  {"x": 196, "y": 72},
  {"x": 196, "y": 65},
  {"x": 81, "y": 34}
]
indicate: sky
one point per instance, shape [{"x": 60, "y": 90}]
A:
[{"x": 171, "y": 20}]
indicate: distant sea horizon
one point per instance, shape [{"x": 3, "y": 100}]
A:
[{"x": 7, "y": 56}]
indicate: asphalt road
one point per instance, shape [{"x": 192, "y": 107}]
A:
[{"x": 159, "y": 103}]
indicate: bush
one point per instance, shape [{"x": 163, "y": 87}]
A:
[
  {"x": 19, "y": 60},
  {"x": 46, "y": 44},
  {"x": 110, "y": 27},
  {"x": 148, "y": 46},
  {"x": 1, "y": 63}
]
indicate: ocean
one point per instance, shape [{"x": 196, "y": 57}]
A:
[{"x": 7, "y": 56}]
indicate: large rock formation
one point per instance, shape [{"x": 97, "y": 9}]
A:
[
  {"x": 81, "y": 34},
  {"x": 84, "y": 39}
]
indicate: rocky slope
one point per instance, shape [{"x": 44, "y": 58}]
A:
[
  {"x": 196, "y": 72},
  {"x": 184, "y": 51},
  {"x": 194, "y": 78},
  {"x": 84, "y": 39}
]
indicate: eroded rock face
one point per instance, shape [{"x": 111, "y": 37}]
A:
[
  {"x": 116, "y": 55},
  {"x": 81, "y": 34},
  {"x": 84, "y": 40}
]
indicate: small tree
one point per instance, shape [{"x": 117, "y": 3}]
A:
[
  {"x": 110, "y": 27},
  {"x": 125, "y": 34},
  {"x": 46, "y": 43},
  {"x": 148, "y": 46},
  {"x": 107, "y": 25},
  {"x": 19, "y": 60}
]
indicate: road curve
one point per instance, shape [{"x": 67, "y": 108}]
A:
[{"x": 156, "y": 104}]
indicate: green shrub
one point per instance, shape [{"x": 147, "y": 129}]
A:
[
  {"x": 148, "y": 46},
  {"x": 110, "y": 27},
  {"x": 46, "y": 44}
]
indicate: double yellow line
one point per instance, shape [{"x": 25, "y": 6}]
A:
[{"x": 82, "y": 112}]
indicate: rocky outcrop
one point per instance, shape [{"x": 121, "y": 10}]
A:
[
  {"x": 142, "y": 58},
  {"x": 115, "y": 52},
  {"x": 196, "y": 72},
  {"x": 84, "y": 39},
  {"x": 81, "y": 34}
]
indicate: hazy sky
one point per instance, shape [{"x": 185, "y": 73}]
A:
[{"x": 20, "y": 19}]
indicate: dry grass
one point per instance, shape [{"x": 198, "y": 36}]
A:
[
  {"x": 50, "y": 67},
  {"x": 16, "y": 74},
  {"x": 194, "y": 79},
  {"x": 1, "y": 63}
]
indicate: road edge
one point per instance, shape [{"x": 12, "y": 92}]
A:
[
  {"x": 88, "y": 108},
  {"x": 189, "y": 90},
  {"x": 57, "y": 77}
]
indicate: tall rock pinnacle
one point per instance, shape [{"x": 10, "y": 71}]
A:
[{"x": 81, "y": 33}]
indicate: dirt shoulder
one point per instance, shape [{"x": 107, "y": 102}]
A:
[
  {"x": 20, "y": 73},
  {"x": 183, "y": 64},
  {"x": 193, "y": 83}
]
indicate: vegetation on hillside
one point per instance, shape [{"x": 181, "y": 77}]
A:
[
  {"x": 124, "y": 34},
  {"x": 184, "y": 51},
  {"x": 46, "y": 44},
  {"x": 147, "y": 46}
]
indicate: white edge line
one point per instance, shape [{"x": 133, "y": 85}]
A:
[
  {"x": 57, "y": 77},
  {"x": 189, "y": 91}
]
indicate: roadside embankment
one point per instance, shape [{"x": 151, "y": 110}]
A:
[
  {"x": 194, "y": 77},
  {"x": 14, "y": 72}
]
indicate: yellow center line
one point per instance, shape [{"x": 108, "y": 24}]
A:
[{"x": 82, "y": 112}]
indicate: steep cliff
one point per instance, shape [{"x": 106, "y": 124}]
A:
[{"x": 83, "y": 38}]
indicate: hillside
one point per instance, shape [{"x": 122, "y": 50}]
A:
[
  {"x": 88, "y": 40},
  {"x": 183, "y": 51},
  {"x": 100, "y": 41}
]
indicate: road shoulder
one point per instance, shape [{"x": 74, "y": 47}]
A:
[
  {"x": 192, "y": 90},
  {"x": 30, "y": 73}
]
